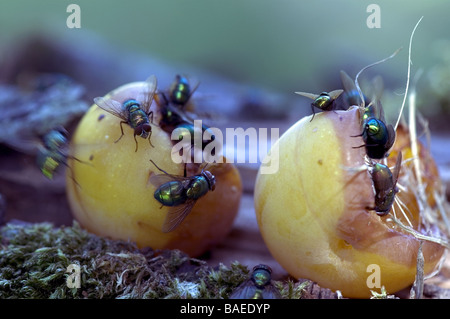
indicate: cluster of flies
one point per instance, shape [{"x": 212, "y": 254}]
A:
[
  {"x": 182, "y": 192},
  {"x": 378, "y": 136},
  {"x": 178, "y": 192}
]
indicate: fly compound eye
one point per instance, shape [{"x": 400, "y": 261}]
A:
[
  {"x": 262, "y": 266},
  {"x": 146, "y": 128},
  {"x": 138, "y": 130}
]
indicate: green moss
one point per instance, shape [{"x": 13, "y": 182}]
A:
[
  {"x": 292, "y": 290},
  {"x": 381, "y": 295},
  {"x": 34, "y": 261}
]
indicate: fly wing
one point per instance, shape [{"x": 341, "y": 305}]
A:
[
  {"x": 146, "y": 96},
  {"x": 377, "y": 109},
  {"x": 111, "y": 106},
  {"x": 244, "y": 291},
  {"x": 383, "y": 180},
  {"x": 347, "y": 82},
  {"x": 27, "y": 146},
  {"x": 377, "y": 92},
  {"x": 176, "y": 215},
  {"x": 391, "y": 137},
  {"x": 194, "y": 84},
  {"x": 374, "y": 107},
  {"x": 352, "y": 94},
  {"x": 335, "y": 94},
  {"x": 398, "y": 165},
  {"x": 194, "y": 87},
  {"x": 377, "y": 88},
  {"x": 308, "y": 95},
  {"x": 270, "y": 292},
  {"x": 160, "y": 179}
]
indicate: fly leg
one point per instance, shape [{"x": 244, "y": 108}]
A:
[
  {"x": 150, "y": 116},
  {"x": 121, "y": 129},
  {"x": 135, "y": 140},
  {"x": 314, "y": 112},
  {"x": 159, "y": 168},
  {"x": 149, "y": 141}
]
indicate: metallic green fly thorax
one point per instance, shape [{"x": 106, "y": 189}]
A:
[
  {"x": 181, "y": 193},
  {"x": 324, "y": 101},
  {"x": 181, "y": 91}
]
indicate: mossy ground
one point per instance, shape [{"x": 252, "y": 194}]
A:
[{"x": 34, "y": 259}]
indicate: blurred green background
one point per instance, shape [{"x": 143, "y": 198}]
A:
[{"x": 283, "y": 45}]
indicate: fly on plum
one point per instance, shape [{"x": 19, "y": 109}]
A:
[
  {"x": 134, "y": 112},
  {"x": 324, "y": 101},
  {"x": 385, "y": 185},
  {"x": 180, "y": 193}
]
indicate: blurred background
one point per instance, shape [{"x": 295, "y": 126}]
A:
[{"x": 268, "y": 46}]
